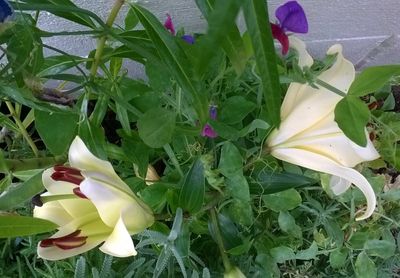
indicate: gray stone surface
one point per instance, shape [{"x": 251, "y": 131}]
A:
[{"x": 360, "y": 25}]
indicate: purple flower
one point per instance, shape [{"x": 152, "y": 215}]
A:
[
  {"x": 169, "y": 25},
  {"x": 291, "y": 18},
  {"x": 188, "y": 38},
  {"x": 208, "y": 131}
]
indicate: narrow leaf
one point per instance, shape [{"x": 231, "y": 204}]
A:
[
  {"x": 21, "y": 192},
  {"x": 192, "y": 192},
  {"x": 257, "y": 21},
  {"x": 14, "y": 226}
]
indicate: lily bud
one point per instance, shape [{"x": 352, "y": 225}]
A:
[{"x": 234, "y": 272}]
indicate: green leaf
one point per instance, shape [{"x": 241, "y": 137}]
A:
[
  {"x": 231, "y": 162},
  {"x": 288, "y": 224},
  {"x": 235, "y": 109},
  {"x": 282, "y": 201},
  {"x": 221, "y": 17},
  {"x": 58, "y": 64},
  {"x": 352, "y": 116},
  {"x": 80, "y": 268},
  {"x": 94, "y": 138},
  {"x": 131, "y": 20},
  {"x": 372, "y": 79},
  {"x": 308, "y": 254},
  {"x": 174, "y": 57},
  {"x": 258, "y": 26},
  {"x": 56, "y": 130},
  {"x": 137, "y": 152},
  {"x": 232, "y": 42},
  {"x": 240, "y": 208},
  {"x": 267, "y": 182},
  {"x": 338, "y": 258},
  {"x": 380, "y": 248},
  {"x": 155, "y": 196},
  {"x": 156, "y": 127},
  {"x": 192, "y": 192},
  {"x": 365, "y": 267},
  {"x": 21, "y": 192},
  {"x": 60, "y": 8},
  {"x": 15, "y": 226},
  {"x": 25, "y": 97},
  {"x": 282, "y": 254}
]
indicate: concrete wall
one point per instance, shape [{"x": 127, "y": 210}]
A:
[{"x": 360, "y": 25}]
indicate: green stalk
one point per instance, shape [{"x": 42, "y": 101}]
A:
[
  {"x": 215, "y": 223},
  {"x": 22, "y": 129},
  {"x": 102, "y": 41},
  {"x": 330, "y": 88},
  {"x": 14, "y": 165}
]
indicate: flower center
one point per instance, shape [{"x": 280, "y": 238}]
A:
[{"x": 70, "y": 241}]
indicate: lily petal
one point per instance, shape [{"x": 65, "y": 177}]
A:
[
  {"x": 339, "y": 185},
  {"x": 81, "y": 158},
  {"x": 321, "y": 163},
  {"x": 310, "y": 104},
  {"x": 54, "y": 212},
  {"x": 105, "y": 197},
  {"x": 119, "y": 243},
  {"x": 305, "y": 59}
]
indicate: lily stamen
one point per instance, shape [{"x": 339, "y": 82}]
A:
[
  {"x": 67, "y": 174},
  {"x": 66, "y": 242}
]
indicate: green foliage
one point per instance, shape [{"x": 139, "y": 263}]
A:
[{"x": 220, "y": 202}]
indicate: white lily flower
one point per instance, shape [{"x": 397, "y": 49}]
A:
[
  {"x": 91, "y": 205},
  {"x": 309, "y": 136}
]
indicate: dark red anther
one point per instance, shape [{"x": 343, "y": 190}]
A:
[
  {"x": 77, "y": 191},
  {"x": 372, "y": 136},
  {"x": 66, "y": 242},
  {"x": 68, "y": 174},
  {"x": 373, "y": 105}
]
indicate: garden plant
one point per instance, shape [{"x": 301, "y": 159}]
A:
[{"x": 237, "y": 155}]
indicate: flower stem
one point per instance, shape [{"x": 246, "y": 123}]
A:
[
  {"x": 15, "y": 165},
  {"x": 102, "y": 41},
  {"x": 22, "y": 128},
  {"x": 220, "y": 243},
  {"x": 330, "y": 88}
]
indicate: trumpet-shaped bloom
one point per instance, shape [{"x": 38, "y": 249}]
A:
[
  {"x": 91, "y": 206},
  {"x": 309, "y": 136}
]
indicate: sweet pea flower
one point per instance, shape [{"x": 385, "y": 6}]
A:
[
  {"x": 208, "y": 131},
  {"x": 169, "y": 25},
  {"x": 291, "y": 18},
  {"x": 6, "y": 11},
  {"x": 309, "y": 136},
  {"x": 92, "y": 206}
]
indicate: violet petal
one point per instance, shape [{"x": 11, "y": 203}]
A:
[
  {"x": 209, "y": 132},
  {"x": 213, "y": 112},
  {"x": 188, "y": 38},
  {"x": 292, "y": 18}
]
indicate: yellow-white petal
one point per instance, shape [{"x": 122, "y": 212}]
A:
[
  {"x": 119, "y": 243},
  {"x": 81, "y": 158},
  {"x": 111, "y": 202},
  {"x": 323, "y": 164},
  {"x": 310, "y": 104},
  {"x": 54, "y": 212},
  {"x": 305, "y": 59},
  {"x": 339, "y": 185}
]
